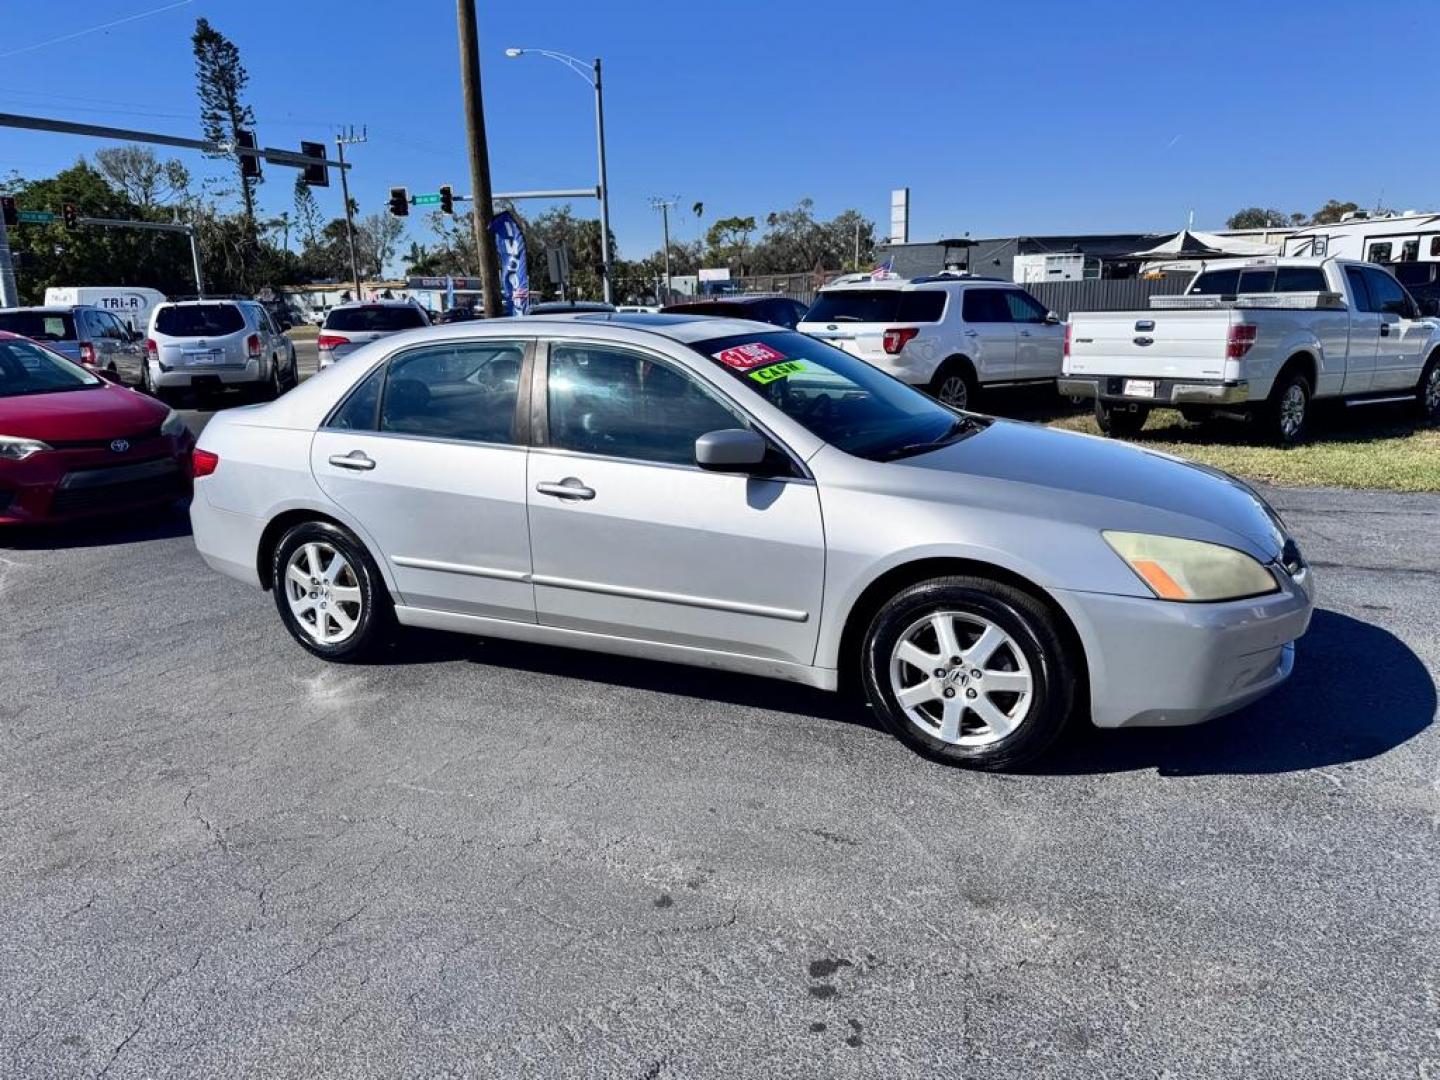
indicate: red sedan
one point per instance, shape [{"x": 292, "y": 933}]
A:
[{"x": 73, "y": 445}]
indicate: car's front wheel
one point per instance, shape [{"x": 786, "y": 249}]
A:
[
  {"x": 969, "y": 671},
  {"x": 329, "y": 592}
]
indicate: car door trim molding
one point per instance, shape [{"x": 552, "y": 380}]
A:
[
  {"x": 413, "y": 563},
  {"x": 683, "y": 599}
]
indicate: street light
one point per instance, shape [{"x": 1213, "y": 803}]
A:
[{"x": 591, "y": 74}]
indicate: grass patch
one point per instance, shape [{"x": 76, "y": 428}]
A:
[{"x": 1374, "y": 446}]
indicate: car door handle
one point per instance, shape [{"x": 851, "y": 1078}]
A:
[
  {"x": 356, "y": 459},
  {"x": 1384, "y": 329},
  {"x": 569, "y": 488},
  {"x": 1024, "y": 333},
  {"x": 972, "y": 333}
]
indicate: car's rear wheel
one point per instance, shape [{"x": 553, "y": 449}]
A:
[
  {"x": 1287, "y": 413},
  {"x": 969, "y": 671},
  {"x": 1427, "y": 391},
  {"x": 1121, "y": 421},
  {"x": 954, "y": 384},
  {"x": 329, "y": 592}
]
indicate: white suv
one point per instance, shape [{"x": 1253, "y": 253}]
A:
[
  {"x": 212, "y": 344},
  {"x": 951, "y": 334}
]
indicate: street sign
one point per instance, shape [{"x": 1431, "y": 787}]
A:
[
  {"x": 36, "y": 217},
  {"x": 426, "y": 200}
]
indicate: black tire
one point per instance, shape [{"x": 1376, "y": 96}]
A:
[
  {"x": 1427, "y": 392},
  {"x": 1120, "y": 423},
  {"x": 1031, "y": 628},
  {"x": 1278, "y": 419},
  {"x": 954, "y": 384},
  {"x": 375, "y": 624}
]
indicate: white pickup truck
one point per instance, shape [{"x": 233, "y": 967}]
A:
[{"x": 1263, "y": 337}]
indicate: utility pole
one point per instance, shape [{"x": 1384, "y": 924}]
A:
[
  {"x": 482, "y": 194},
  {"x": 9, "y": 291},
  {"x": 857, "y": 244},
  {"x": 663, "y": 205},
  {"x": 607, "y": 271},
  {"x": 344, "y": 139}
]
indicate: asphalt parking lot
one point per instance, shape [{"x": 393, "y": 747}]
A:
[{"x": 220, "y": 856}]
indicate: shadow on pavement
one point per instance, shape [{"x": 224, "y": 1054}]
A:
[
  {"x": 151, "y": 523},
  {"x": 1357, "y": 692}
]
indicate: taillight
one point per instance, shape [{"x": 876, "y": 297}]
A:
[
  {"x": 152, "y": 350},
  {"x": 895, "y": 339},
  {"x": 329, "y": 341},
  {"x": 87, "y": 354},
  {"x": 1067, "y": 339},
  {"x": 203, "y": 463},
  {"x": 252, "y": 346},
  {"x": 1241, "y": 337}
]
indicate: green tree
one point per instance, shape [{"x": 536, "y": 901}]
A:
[
  {"x": 796, "y": 242},
  {"x": 376, "y": 237},
  {"x": 1332, "y": 212},
  {"x": 1257, "y": 217},
  {"x": 220, "y": 82},
  {"x": 727, "y": 240},
  {"x": 308, "y": 218}
]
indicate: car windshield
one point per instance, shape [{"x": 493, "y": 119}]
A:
[
  {"x": 878, "y": 306},
  {"x": 29, "y": 369},
  {"x": 39, "y": 325},
  {"x": 842, "y": 400},
  {"x": 375, "y": 318},
  {"x": 199, "y": 320}
]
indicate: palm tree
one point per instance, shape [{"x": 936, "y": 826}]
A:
[{"x": 280, "y": 224}]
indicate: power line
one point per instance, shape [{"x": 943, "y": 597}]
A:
[{"x": 95, "y": 29}]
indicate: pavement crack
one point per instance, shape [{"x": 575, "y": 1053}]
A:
[
  {"x": 321, "y": 945},
  {"x": 215, "y": 834}
]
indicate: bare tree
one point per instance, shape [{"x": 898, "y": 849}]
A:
[
  {"x": 142, "y": 177},
  {"x": 376, "y": 236}
]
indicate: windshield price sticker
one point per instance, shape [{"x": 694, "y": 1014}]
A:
[
  {"x": 745, "y": 357},
  {"x": 777, "y": 371}
]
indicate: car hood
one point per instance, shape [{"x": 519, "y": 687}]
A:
[
  {"x": 103, "y": 412},
  {"x": 1110, "y": 485}
]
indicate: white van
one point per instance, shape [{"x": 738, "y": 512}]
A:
[{"x": 132, "y": 304}]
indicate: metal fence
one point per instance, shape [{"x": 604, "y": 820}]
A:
[{"x": 1104, "y": 294}]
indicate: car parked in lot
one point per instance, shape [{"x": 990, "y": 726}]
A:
[
  {"x": 778, "y": 310},
  {"x": 653, "y": 485},
  {"x": 1258, "y": 337},
  {"x": 212, "y": 344},
  {"x": 951, "y": 334},
  {"x": 89, "y": 336},
  {"x": 73, "y": 444},
  {"x": 349, "y": 326}
]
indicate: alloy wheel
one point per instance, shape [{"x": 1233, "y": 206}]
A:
[
  {"x": 1292, "y": 410},
  {"x": 961, "y": 679},
  {"x": 1432, "y": 391},
  {"x": 954, "y": 392},
  {"x": 323, "y": 592}
]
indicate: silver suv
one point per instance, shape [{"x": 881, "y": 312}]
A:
[
  {"x": 351, "y": 325},
  {"x": 212, "y": 344},
  {"x": 87, "y": 335},
  {"x": 950, "y": 334}
]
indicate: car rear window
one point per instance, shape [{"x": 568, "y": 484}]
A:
[
  {"x": 199, "y": 320},
  {"x": 878, "y": 306},
  {"x": 376, "y": 319},
  {"x": 1217, "y": 282},
  {"x": 1259, "y": 279},
  {"x": 39, "y": 325}
]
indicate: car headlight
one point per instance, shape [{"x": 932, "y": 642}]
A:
[
  {"x": 1190, "y": 570},
  {"x": 13, "y": 448},
  {"x": 174, "y": 424}
]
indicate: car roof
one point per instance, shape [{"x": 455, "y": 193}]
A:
[
  {"x": 390, "y": 302},
  {"x": 928, "y": 281},
  {"x": 52, "y": 309},
  {"x": 206, "y": 300}
]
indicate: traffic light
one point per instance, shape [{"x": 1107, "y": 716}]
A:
[
  {"x": 447, "y": 199},
  {"x": 68, "y": 215},
  {"x": 399, "y": 202},
  {"x": 315, "y": 175},
  {"x": 10, "y": 211},
  {"x": 249, "y": 163}
]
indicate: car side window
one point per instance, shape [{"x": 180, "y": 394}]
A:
[
  {"x": 463, "y": 390},
  {"x": 360, "y": 409},
  {"x": 1359, "y": 289},
  {"x": 602, "y": 400},
  {"x": 1386, "y": 293},
  {"x": 985, "y": 306},
  {"x": 1023, "y": 307}
]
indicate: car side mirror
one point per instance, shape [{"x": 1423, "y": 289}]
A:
[
  {"x": 1051, "y": 319},
  {"x": 1429, "y": 306},
  {"x": 731, "y": 450}
]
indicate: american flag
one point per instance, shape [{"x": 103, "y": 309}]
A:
[{"x": 883, "y": 270}]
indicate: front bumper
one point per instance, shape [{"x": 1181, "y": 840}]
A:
[
  {"x": 67, "y": 485},
  {"x": 1155, "y": 663},
  {"x": 1167, "y": 391}
]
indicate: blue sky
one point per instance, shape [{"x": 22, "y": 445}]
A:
[{"x": 1037, "y": 117}]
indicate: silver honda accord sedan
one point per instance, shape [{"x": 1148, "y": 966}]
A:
[{"x": 726, "y": 494}]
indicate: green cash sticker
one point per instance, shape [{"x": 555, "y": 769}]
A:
[{"x": 777, "y": 371}]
